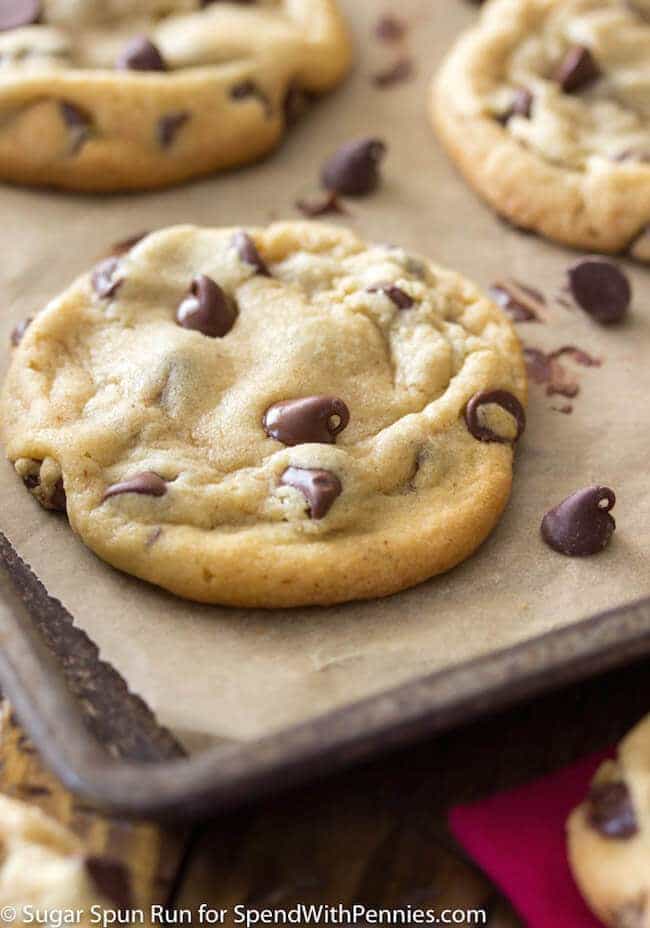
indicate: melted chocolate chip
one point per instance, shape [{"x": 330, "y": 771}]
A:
[
  {"x": 577, "y": 70},
  {"x": 147, "y": 484},
  {"x": 401, "y": 299},
  {"x": 500, "y": 398},
  {"x": 141, "y": 55},
  {"x": 17, "y": 13},
  {"x": 19, "y": 330},
  {"x": 610, "y": 810},
  {"x": 78, "y": 121},
  {"x": 309, "y": 419},
  {"x": 581, "y": 525},
  {"x": 247, "y": 251},
  {"x": 319, "y": 487},
  {"x": 104, "y": 280},
  {"x": 601, "y": 289},
  {"x": 354, "y": 169},
  {"x": 111, "y": 879},
  {"x": 169, "y": 126},
  {"x": 206, "y": 309}
]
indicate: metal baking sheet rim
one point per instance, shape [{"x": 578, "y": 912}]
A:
[{"x": 224, "y": 776}]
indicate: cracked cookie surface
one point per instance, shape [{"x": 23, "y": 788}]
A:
[
  {"x": 105, "y": 95},
  {"x": 275, "y": 417},
  {"x": 545, "y": 107},
  {"x": 609, "y": 836}
]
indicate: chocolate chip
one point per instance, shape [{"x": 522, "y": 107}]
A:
[
  {"x": 610, "y": 810},
  {"x": 247, "y": 250},
  {"x": 321, "y": 206},
  {"x": 104, "y": 280},
  {"x": 522, "y": 105},
  {"x": 401, "y": 299},
  {"x": 16, "y": 13},
  {"x": 353, "y": 170},
  {"x": 319, "y": 487},
  {"x": 396, "y": 73},
  {"x": 169, "y": 126},
  {"x": 601, "y": 289},
  {"x": 206, "y": 309},
  {"x": 147, "y": 484},
  {"x": 141, "y": 55},
  {"x": 577, "y": 70},
  {"x": 19, "y": 330},
  {"x": 111, "y": 879},
  {"x": 78, "y": 121},
  {"x": 500, "y": 398},
  {"x": 581, "y": 525},
  {"x": 522, "y": 303},
  {"x": 248, "y": 89},
  {"x": 308, "y": 419}
]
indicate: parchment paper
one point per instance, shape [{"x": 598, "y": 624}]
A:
[{"x": 218, "y": 673}]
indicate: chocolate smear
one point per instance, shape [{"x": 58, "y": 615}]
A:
[
  {"x": 520, "y": 302},
  {"x": 581, "y": 524},
  {"x": 123, "y": 247},
  {"x": 319, "y": 487},
  {"x": 321, "y": 206},
  {"x": 546, "y": 369},
  {"x": 353, "y": 170},
  {"x": 309, "y": 419}
]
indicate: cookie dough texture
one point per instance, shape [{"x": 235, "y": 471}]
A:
[
  {"x": 576, "y": 167},
  {"x": 613, "y": 873},
  {"x": 235, "y": 72},
  {"x": 43, "y": 865},
  {"x": 104, "y": 389}
]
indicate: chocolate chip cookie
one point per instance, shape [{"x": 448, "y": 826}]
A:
[
  {"x": 270, "y": 417},
  {"x": 609, "y": 836},
  {"x": 44, "y": 866},
  {"x": 105, "y": 95},
  {"x": 545, "y": 107}
]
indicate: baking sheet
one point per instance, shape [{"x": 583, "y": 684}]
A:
[{"x": 212, "y": 673}]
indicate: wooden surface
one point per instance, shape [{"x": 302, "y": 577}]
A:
[{"x": 374, "y": 835}]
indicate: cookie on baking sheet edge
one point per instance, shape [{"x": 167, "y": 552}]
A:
[
  {"x": 270, "y": 417},
  {"x": 544, "y": 105},
  {"x": 609, "y": 836},
  {"x": 115, "y": 102}
]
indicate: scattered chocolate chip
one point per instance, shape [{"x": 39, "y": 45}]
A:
[
  {"x": 123, "y": 247},
  {"x": 577, "y": 70},
  {"x": 247, "y": 250},
  {"x": 247, "y": 90},
  {"x": 19, "y": 330},
  {"x": 104, "y": 280},
  {"x": 401, "y": 299},
  {"x": 169, "y": 126},
  {"x": 610, "y": 810},
  {"x": 16, "y": 13},
  {"x": 500, "y": 398},
  {"x": 141, "y": 55},
  {"x": 353, "y": 170},
  {"x": 206, "y": 308},
  {"x": 328, "y": 203},
  {"x": 601, "y": 289},
  {"x": 79, "y": 123},
  {"x": 111, "y": 879},
  {"x": 522, "y": 303},
  {"x": 308, "y": 419},
  {"x": 390, "y": 28},
  {"x": 396, "y": 73},
  {"x": 581, "y": 525},
  {"x": 319, "y": 487},
  {"x": 147, "y": 484}
]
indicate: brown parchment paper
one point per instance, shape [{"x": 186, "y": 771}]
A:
[{"x": 221, "y": 673}]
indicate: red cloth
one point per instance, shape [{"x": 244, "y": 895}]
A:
[{"x": 518, "y": 839}]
